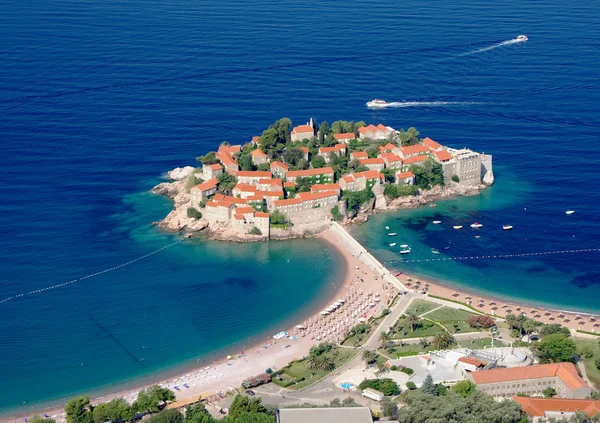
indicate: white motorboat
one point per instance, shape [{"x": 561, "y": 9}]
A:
[
  {"x": 570, "y": 212},
  {"x": 522, "y": 38},
  {"x": 437, "y": 222},
  {"x": 457, "y": 227},
  {"x": 404, "y": 246},
  {"x": 387, "y": 228},
  {"x": 393, "y": 244},
  {"x": 406, "y": 251},
  {"x": 376, "y": 103},
  {"x": 507, "y": 227},
  {"x": 392, "y": 234},
  {"x": 476, "y": 225}
]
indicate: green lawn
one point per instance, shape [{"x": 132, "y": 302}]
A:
[
  {"x": 403, "y": 351},
  {"x": 359, "y": 339},
  {"x": 477, "y": 344},
  {"x": 298, "y": 369},
  {"x": 419, "y": 307},
  {"x": 590, "y": 368},
  {"x": 452, "y": 319},
  {"x": 401, "y": 329}
]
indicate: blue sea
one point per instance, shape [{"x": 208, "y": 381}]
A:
[{"x": 99, "y": 99}]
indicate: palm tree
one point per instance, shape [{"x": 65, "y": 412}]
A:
[
  {"x": 320, "y": 363},
  {"x": 412, "y": 319},
  {"x": 369, "y": 356},
  {"x": 384, "y": 336},
  {"x": 442, "y": 340},
  {"x": 530, "y": 326}
]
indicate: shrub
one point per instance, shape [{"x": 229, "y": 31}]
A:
[
  {"x": 255, "y": 231},
  {"x": 549, "y": 392},
  {"x": 387, "y": 386},
  {"x": 395, "y": 191},
  {"x": 193, "y": 213},
  {"x": 277, "y": 218},
  {"x": 455, "y": 178},
  {"x": 586, "y": 352},
  {"x": 335, "y": 212},
  {"x": 597, "y": 363},
  {"x": 407, "y": 370},
  {"x": 394, "y": 367},
  {"x": 256, "y": 380},
  {"x": 480, "y": 321},
  {"x": 411, "y": 385}
]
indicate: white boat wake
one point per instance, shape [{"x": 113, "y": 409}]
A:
[
  {"x": 502, "y": 44},
  {"x": 398, "y": 104}
]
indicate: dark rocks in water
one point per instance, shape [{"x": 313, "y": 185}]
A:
[{"x": 586, "y": 280}]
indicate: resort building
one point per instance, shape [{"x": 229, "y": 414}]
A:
[
  {"x": 558, "y": 408},
  {"x": 324, "y": 415},
  {"x": 432, "y": 145},
  {"x": 270, "y": 197},
  {"x": 373, "y": 164},
  {"x": 405, "y": 178},
  {"x": 231, "y": 149},
  {"x": 228, "y": 161},
  {"x": 245, "y": 219},
  {"x": 325, "y": 187},
  {"x": 303, "y": 132},
  {"x": 390, "y": 148},
  {"x": 413, "y": 151},
  {"x": 251, "y": 176},
  {"x": 270, "y": 184},
  {"x": 360, "y": 181},
  {"x": 358, "y": 155},
  {"x": 244, "y": 190},
  {"x": 466, "y": 164},
  {"x": 322, "y": 175},
  {"x": 258, "y": 157},
  {"x": 211, "y": 171},
  {"x": 391, "y": 160},
  {"x": 308, "y": 207},
  {"x": 415, "y": 160},
  {"x": 218, "y": 212},
  {"x": 279, "y": 169},
  {"x": 379, "y": 132},
  {"x": 200, "y": 193},
  {"x": 532, "y": 380},
  {"x": 345, "y": 138},
  {"x": 327, "y": 152},
  {"x": 442, "y": 156}
]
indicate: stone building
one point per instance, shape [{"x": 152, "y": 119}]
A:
[
  {"x": 379, "y": 132},
  {"x": 414, "y": 160},
  {"x": 357, "y": 155},
  {"x": 391, "y": 160},
  {"x": 201, "y": 192},
  {"x": 345, "y": 138},
  {"x": 413, "y": 151},
  {"x": 322, "y": 175},
  {"x": 308, "y": 207},
  {"x": 373, "y": 164},
  {"x": 258, "y": 157},
  {"x": 279, "y": 169},
  {"x": 466, "y": 164},
  {"x": 558, "y": 408},
  {"x": 228, "y": 161},
  {"x": 405, "y": 178},
  {"x": 327, "y": 152},
  {"x": 302, "y": 132},
  {"x": 360, "y": 180},
  {"x": 251, "y": 176},
  {"x": 245, "y": 219},
  {"x": 532, "y": 380},
  {"x": 211, "y": 171}
]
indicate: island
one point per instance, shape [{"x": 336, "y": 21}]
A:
[{"x": 293, "y": 181}]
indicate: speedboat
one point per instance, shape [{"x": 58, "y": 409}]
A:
[
  {"x": 570, "y": 212},
  {"x": 435, "y": 251},
  {"x": 457, "y": 227},
  {"x": 404, "y": 246},
  {"x": 476, "y": 225},
  {"x": 507, "y": 227},
  {"x": 522, "y": 38},
  {"x": 392, "y": 234},
  {"x": 393, "y": 244},
  {"x": 437, "y": 222},
  {"x": 405, "y": 251},
  {"x": 375, "y": 103},
  {"x": 387, "y": 228}
]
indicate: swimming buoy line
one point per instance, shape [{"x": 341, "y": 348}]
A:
[
  {"x": 37, "y": 291},
  {"x": 542, "y": 253}
]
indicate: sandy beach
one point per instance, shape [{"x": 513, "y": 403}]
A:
[
  {"x": 501, "y": 307},
  {"x": 358, "y": 290}
]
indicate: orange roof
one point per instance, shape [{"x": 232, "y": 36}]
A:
[
  {"x": 238, "y": 217},
  {"x": 376, "y": 160},
  {"x": 302, "y": 129},
  {"x": 270, "y": 181},
  {"x": 304, "y": 149},
  {"x": 255, "y": 139},
  {"x": 348, "y": 178},
  {"x": 258, "y": 153},
  {"x": 415, "y": 159},
  {"x": 309, "y": 172},
  {"x": 325, "y": 187},
  {"x": 226, "y": 204},
  {"x": 359, "y": 155},
  {"x": 336, "y": 148},
  {"x": 245, "y": 187},
  {"x": 391, "y": 157},
  {"x": 307, "y": 196},
  {"x": 215, "y": 166},
  {"x": 472, "y": 361},
  {"x": 259, "y": 214},
  {"x": 230, "y": 149},
  {"x": 210, "y": 184},
  {"x": 565, "y": 371},
  {"x": 403, "y": 175},
  {"x": 278, "y": 193},
  {"x": 255, "y": 197},
  {"x": 345, "y": 136},
  {"x": 414, "y": 149},
  {"x": 279, "y": 164},
  {"x": 370, "y": 128},
  {"x": 289, "y": 184},
  {"x": 442, "y": 155},
  {"x": 539, "y": 406},
  {"x": 431, "y": 143},
  {"x": 226, "y": 158},
  {"x": 390, "y": 146},
  {"x": 279, "y": 203},
  {"x": 226, "y": 198},
  {"x": 244, "y": 210},
  {"x": 253, "y": 174},
  {"x": 368, "y": 174},
  {"x": 382, "y": 127}
]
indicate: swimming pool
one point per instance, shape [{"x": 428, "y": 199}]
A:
[{"x": 346, "y": 385}]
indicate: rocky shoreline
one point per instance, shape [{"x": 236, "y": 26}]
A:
[{"x": 177, "y": 221}]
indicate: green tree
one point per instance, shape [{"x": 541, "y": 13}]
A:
[
  {"x": 389, "y": 408},
  {"x": 428, "y": 386},
  {"x": 411, "y": 385},
  {"x": 428, "y": 175},
  {"x": 303, "y": 184},
  {"x": 245, "y": 162},
  {"x": 320, "y": 362},
  {"x": 546, "y": 330},
  {"x": 455, "y": 178},
  {"x": 395, "y": 191},
  {"x": 79, "y": 410},
  {"x": 442, "y": 340},
  {"x": 39, "y": 419},
  {"x": 357, "y": 199},
  {"x": 369, "y": 356},
  {"x": 410, "y": 137},
  {"x": 255, "y": 231},
  {"x": 464, "y": 388},
  {"x": 167, "y": 416},
  {"x": 318, "y": 161},
  {"x": 549, "y": 392},
  {"x": 597, "y": 363},
  {"x": 335, "y": 213},
  {"x": 292, "y": 156},
  {"x": 208, "y": 159},
  {"x": 324, "y": 131},
  {"x": 277, "y": 218},
  {"x": 100, "y": 413},
  {"x": 386, "y": 386},
  {"x": 555, "y": 348},
  {"x": 412, "y": 320},
  {"x": 226, "y": 183},
  {"x": 390, "y": 175},
  {"x": 242, "y": 404},
  {"x": 193, "y": 213},
  {"x": 149, "y": 399}
]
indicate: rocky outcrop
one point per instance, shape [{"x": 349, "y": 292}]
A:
[
  {"x": 300, "y": 231},
  {"x": 434, "y": 194},
  {"x": 488, "y": 178},
  {"x": 224, "y": 233},
  {"x": 180, "y": 173}
]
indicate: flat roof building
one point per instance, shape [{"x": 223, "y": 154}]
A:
[{"x": 324, "y": 415}]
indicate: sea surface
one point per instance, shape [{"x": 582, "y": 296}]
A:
[{"x": 99, "y": 99}]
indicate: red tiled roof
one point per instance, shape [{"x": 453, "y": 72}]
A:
[
  {"x": 207, "y": 185},
  {"x": 215, "y": 166},
  {"x": 442, "y": 155},
  {"x": 431, "y": 143},
  {"x": 370, "y": 128},
  {"x": 258, "y": 153},
  {"x": 230, "y": 149},
  {"x": 238, "y": 217},
  {"x": 226, "y": 158},
  {"x": 359, "y": 155},
  {"x": 391, "y": 157},
  {"x": 255, "y": 197},
  {"x": 345, "y": 136},
  {"x": 270, "y": 181},
  {"x": 324, "y": 187},
  {"x": 414, "y": 149},
  {"x": 376, "y": 160},
  {"x": 403, "y": 175},
  {"x": 309, "y": 172},
  {"x": 279, "y": 203},
  {"x": 382, "y": 127},
  {"x": 226, "y": 198},
  {"x": 302, "y": 129},
  {"x": 307, "y": 196},
  {"x": 226, "y": 204},
  {"x": 472, "y": 361},
  {"x": 537, "y": 407},
  {"x": 289, "y": 184},
  {"x": 244, "y": 210},
  {"x": 368, "y": 174},
  {"x": 260, "y": 214},
  {"x": 336, "y": 148},
  {"x": 245, "y": 187},
  {"x": 278, "y": 193},
  {"x": 565, "y": 371},
  {"x": 415, "y": 159},
  {"x": 279, "y": 164},
  {"x": 253, "y": 174}
]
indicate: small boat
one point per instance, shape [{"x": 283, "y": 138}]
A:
[
  {"x": 435, "y": 251},
  {"x": 570, "y": 212},
  {"x": 406, "y": 251},
  {"x": 387, "y": 228},
  {"x": 404, "y": 246},
  {"x": 392, "y": 234},
  {"x": 476, "y": 225},
  {"x": 507, "y": 227},
  {"x": 477, "y": 236},
  {"x": 393, "y": 244},
  {"x": 376, "y": 103},
  {"x": 457, "y": 227},
  {"x": 437, "y": 222},
  {"x": 522, "y": 38}
]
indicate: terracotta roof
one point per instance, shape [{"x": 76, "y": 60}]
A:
[
  {"x": 390, "y": 146},
  {"x": 270, "y": 181},
  {"x": 308, "y": 196},
  {"x": 253, "y": 174},
  {"x": 565, "y": 371},
  {"x": 279, "y": 203},
  {"x": 539, "y": 406},
  {"x": 376, "y": 160},
  {"x": 278, "y": 193},
  {"x": 260, "y": 214},
  {"x": 472, "y": 361},
  {"x": 258, "y": 153},
  {"x": 289, "y": 184},
  {"x": 370, "y": 128},
  {"x": 359, "y": 155},
  {"x": 227, "y": 198},
  {"x": 403, "y": 175},
  {"x": 255, "y": 197},
  {"x": 431, "y": 143},
  {"x": 255, "y": 139},
  {"x": 415, "y": 159},
  {"x": 279, "y": 164},
  {"x": 304, "y": 149},
  {"x": 302, "y": 129},
  {"x": 215, "y": 166},
  {"x": 414, "y": 149},
  {"x": 210, "y": 184},
  {"x": 226, "y": 158},
  {"x": 382, "y": 127},
  {"x": 309, "y": 172},
  {"x": 226, "y": 204},
  {"x": 336, "y": 148},
  {"x": 324, "y": 187},
  {"x": 245, "y": 187},
  {"x": 238, "y": 217},
  {"x": 368, "y": 174},
  {"x": 230, "y": 148},
  {"x": 348, "y": 178},
  {"x": 244, "y": 210},
  {"x": 442, "y": 155},
  {"x": 345, "y": 136},
  {"x": 391, "y": 157}
]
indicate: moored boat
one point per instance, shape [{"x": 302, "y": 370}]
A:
[
  {"x": 476, "y": 225},
  {"x": 392, "y": 234},
  {"x": 570, "y": 212},
  {"x": 393, "y": 244},
  {"x": 406, "y": 251},
  {"x": 457, "y": 226},
  {"x": 387, "y": 228},
  {"x": 437, "y": 222},
  {"x": 435, "y": 251},
  {"x": 507, "y": 227},
  {"x": 403, "y": 245}
]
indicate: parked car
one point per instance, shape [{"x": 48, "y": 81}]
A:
[{"x": 250, "y": 392}]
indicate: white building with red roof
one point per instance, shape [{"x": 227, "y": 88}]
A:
[
  {"x": 244, "y": 190},
  {"x": 405, "y": 178},
  {"x": 379, "y": 132},
  {"x": 228, "y": 161},
  {"x": 432, "y": 145},
  {"x": 413, "y": 150},
  {"x": 391, "y": 160},
  {"x": 376, "y": 163},
  {"x": 345, "y": 138},
  {"x": 327, "y": 152},
  {"x": 390, "y": 148},
  {"x": 200, "y": 192},
  {"x": 414, "y": 160},
  {"x": 211, "y": 171},
  {"x": 302, "y": 132},
  {"x": 357, "y": 155},
  {"x": 279, "y": 169},
  {"x": 320, "y": 175},
  {"x": 252, "y": 176},
  {"x": 259, "y": 157},
  {"x": 360, "y": 180}
]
